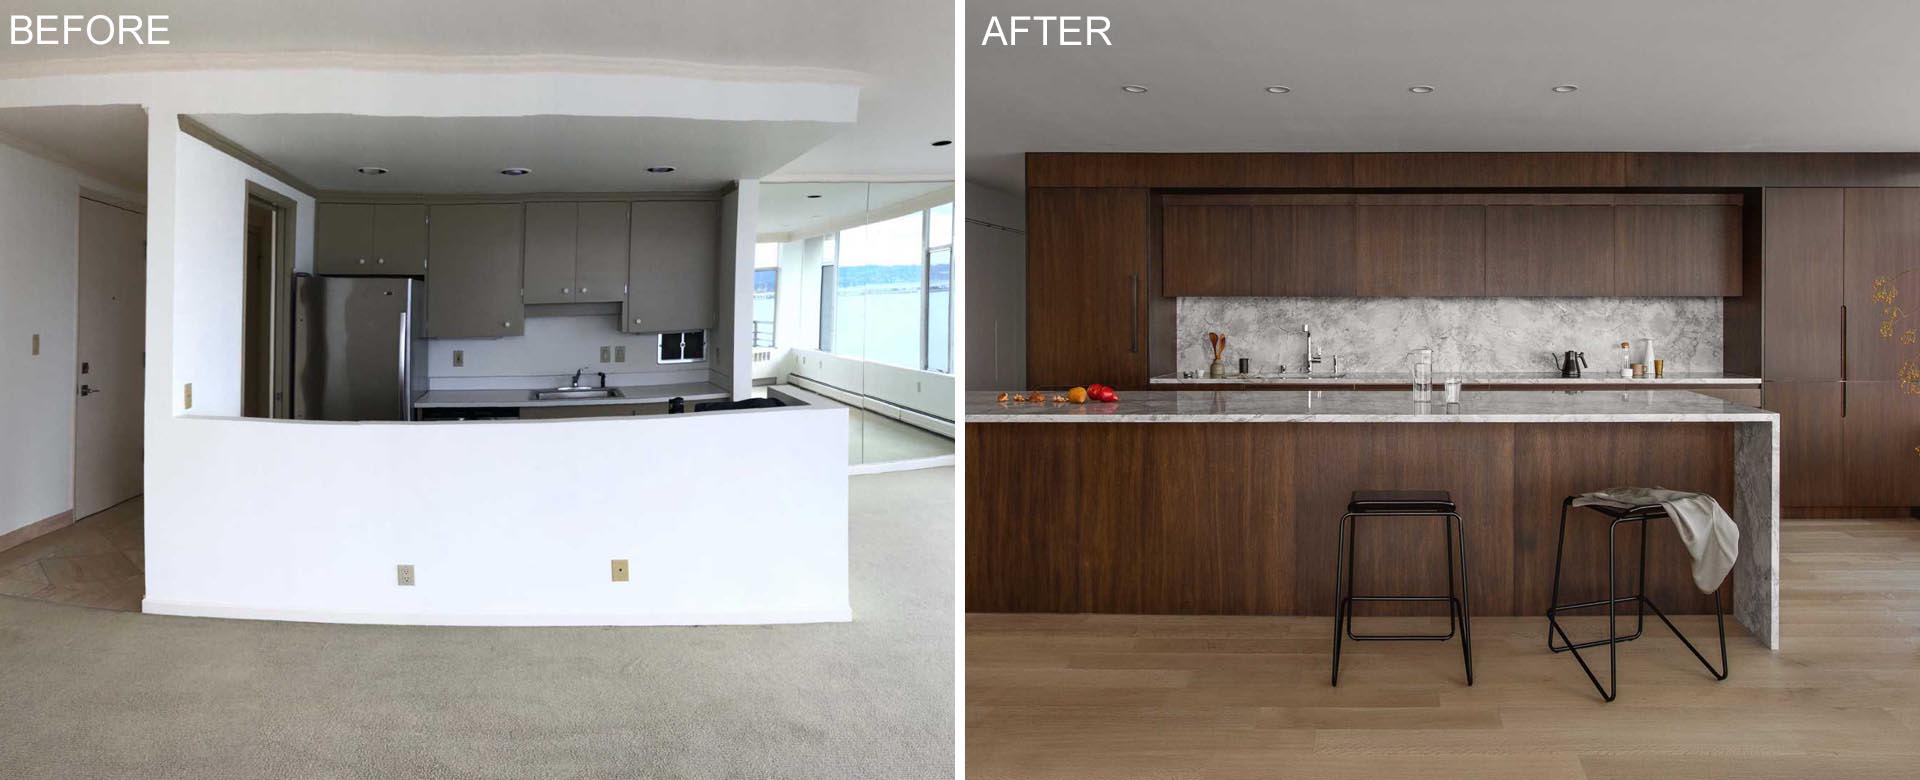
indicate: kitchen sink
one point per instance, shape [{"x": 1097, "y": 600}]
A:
[{"x": 576, "y": 393}]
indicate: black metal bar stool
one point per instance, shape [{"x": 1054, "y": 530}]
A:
[
  {"x": 1637, "y": 514},
  {"x": 1401, "y": 504}
]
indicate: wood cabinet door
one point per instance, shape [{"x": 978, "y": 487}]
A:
[
  {"x": 1802, "y": 283},
  {"x": 400, "y": 239},
  {"x": 1206, "y": 250},
  {"x": 1420, "y": 250},
  {"x": 600, "y": 253},
  {"x": 1882, "y": 242},
  {"x": 1550, "y": 250},
  {"x": 474, "y": 290},
  {"x": 1882, "y": 425},
  {"x": 674, "y": 249},
  {"x": 342, "y": 238},
  {"x": 1086, "y": 286},
  {"x": 1677, "y": 250},
  {"x": 1812, "y": 464},
  {"x": 551, "y": 232},
  {"x": 1302, "y": 250}
]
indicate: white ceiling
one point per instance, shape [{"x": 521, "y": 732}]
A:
[
  {"x": 1701, "y": 75},
  {"x": 903, "y": 48},
  {"x": 106, "y": 142},
  {"x": 785, "y": 207},
  {"x": 566, "y": 153}
]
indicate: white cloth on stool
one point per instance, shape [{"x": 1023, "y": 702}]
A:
[{"x": 1710, "y": 535}]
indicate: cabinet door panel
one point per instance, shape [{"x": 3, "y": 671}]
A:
[
  {"x": 1669, "y": 250},
  {"x": 1086, "y": 286},
  {"x": 1321, "y": 256},
  {"x": 342, "y": 238},
  {"x": 1883, "y": 242},
  {"x": 1802, "y": 283},
  {"x": 600, "y": 253},
  {"x": 1550, "y": 250},
  {"x": 474, "y": 290},
  {"x": 1812, "y": 464},
  {"x": 551, "y": 232},
  {"x": 1421, "y": 250},
  {"x": 400, "y": 239},
  {"x": 1882, "y": 427},
  {"x": 1206, "y": 250},
  {"x": 674, "y": 248}
]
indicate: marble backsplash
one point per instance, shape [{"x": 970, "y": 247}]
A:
[{"x": 1466, "y": 334}]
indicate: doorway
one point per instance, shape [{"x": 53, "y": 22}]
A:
[
  {"x": 111, "y": 375},
  {"x": 265, "y": 321}
]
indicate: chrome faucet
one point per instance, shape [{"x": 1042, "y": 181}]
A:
[
  {"x": 575, "y": 381},
  {"x": 1313, "y": 356}
]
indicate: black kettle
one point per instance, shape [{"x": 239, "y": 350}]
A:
[{"x": 1571, "y": 364}]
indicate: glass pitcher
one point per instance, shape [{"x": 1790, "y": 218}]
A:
[{"x": 1422, "y": 374}]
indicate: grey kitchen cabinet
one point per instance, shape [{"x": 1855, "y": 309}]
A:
[
  {"x": 474, "y": 290},
  {"x": 370, "y": 240},
  {"x": 674, "y": 249},
  {"x": 576, "y": 252}
]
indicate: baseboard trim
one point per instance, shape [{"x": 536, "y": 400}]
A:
[
  {"x": 35, "y": 530},
  {"x": 155, "y": 606},
  {"x": 913, "y": 417},
  {"x": 891, "y": 466}
]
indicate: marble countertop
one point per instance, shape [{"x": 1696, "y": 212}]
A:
[
  {"x": 1365, "y": 406},
  {"x": 631, "y": 394},
  {"x": 1402, "y": 378}
]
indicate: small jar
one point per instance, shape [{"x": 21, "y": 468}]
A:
[{"x": 1453, "y": 389}]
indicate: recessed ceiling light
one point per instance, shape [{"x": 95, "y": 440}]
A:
[
  {"x": 1279, "y": 90},
  {"x": 1134, "y": 88},
  {"x": 811, "y": 197},
  {"x": 1566, "y": 88},
  {"x": 943, "y": 142},
  {"x": 371, "y": 170},
  {"x": 1420, "y": 89},
  {"x": 661, "y": 169},
  {"x": 515, "y": 171}
]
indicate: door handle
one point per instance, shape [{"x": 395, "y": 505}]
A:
[
  {"x": 86, "y": 390},
  {"x": 1843, "y": 342},
  {"x": 1133, "y": 315}
]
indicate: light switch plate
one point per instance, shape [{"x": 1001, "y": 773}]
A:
[
  {"x": 459, "y": 358},
  {"x": 403, "y": 575},
  {"x": 619, "y": 570},
  {"x": 189, "y": 398},
  {"x": 620, "y": 354},
  {"x": 606, "y": 354}
]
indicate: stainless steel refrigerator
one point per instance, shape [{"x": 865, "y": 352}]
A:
[{"x": 359, "y": 347}]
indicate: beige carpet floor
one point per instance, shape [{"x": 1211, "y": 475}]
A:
[{"x": 90, "y": 693}]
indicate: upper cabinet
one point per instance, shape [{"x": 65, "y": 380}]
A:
[
  {"x": 1451, "y": 245},
  {"x": 675, "y": 250},
  {"x": 1087, "y": 286},
  {"x": 474, "y": 290},
  {"x": 1802, "y": 283},
  {"x": 576, "y": 252},
  {"x": 1882, "y": 243},
  {"x": 370, "y": 240}
]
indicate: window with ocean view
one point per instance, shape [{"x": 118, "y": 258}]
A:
[{"x": 892, "y": 288}]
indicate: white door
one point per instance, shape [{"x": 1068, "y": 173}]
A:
[{"x": 108, "y": 441}]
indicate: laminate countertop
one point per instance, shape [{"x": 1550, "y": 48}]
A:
[
  {"x": 1364, "y": 406},
  {"x": 630, "y": 394},
  {"x": 1470, "y": 379}
]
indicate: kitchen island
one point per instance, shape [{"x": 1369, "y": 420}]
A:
[{"x": 1227, "y": 502}]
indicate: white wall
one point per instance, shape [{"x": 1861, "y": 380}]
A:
[
  {"x": 996, "y": 290},
  {"x": 731, "y": 353},
  {"x": 39, "y": 282},
  {"x": 552, "y": 348},
  {"x": 300, "y": 520},
  {"x": 209, "y": 274}
]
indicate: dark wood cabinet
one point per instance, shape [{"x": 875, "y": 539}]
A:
[
  {"x": 1420, "y": 250},
  {"x": 1489, "y": 169},
  {"x": 1677, "y": 250},
  {"x": 1208, "y": 250},
  {"x": 1881, "y": 424},
  {"x": 1086, "y": 286},
  {"x": 1304, "y": 250},
  {"x": 1812, "y": 463},
  {"x": 1802, "y": 273},
  {"x": 1550, "y": 250},
  {"x": 1882, "y": 242}
]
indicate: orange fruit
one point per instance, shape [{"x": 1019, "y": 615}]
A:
[{"x": 1077, "y": 395}]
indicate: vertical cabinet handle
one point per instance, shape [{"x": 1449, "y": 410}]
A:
[
  {"x": 1133, "y": 316},
  {"x": 1843, "y": 349}
]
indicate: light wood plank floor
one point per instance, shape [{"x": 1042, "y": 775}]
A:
[{"x": 1136, "y": 697}]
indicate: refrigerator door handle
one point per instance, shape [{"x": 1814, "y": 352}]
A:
[{"x": 406, "y": 386}]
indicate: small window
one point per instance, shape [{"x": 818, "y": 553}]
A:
[{"x": 687, "y": 347}]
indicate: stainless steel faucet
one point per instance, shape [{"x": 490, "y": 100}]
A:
[
  {"x": 575, "y": 382},
  {"x": 1313, "y": 356}
]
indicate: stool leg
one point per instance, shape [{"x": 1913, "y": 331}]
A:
[
  {"x": 1466, "y": 596},
  {"x": 1559, "y": 552},
  {"x": 1613, "y": 609},
  {"x": 1640, "y": 591},
  {"x": 1339, "y": 593}
]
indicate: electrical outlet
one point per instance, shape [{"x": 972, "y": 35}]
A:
[
  {"x": 620, "y": 354},
  {"x": 189, "y": 398},
  {"x": 36, "y": 344},
  {"x": 606, "y": 354},
  {"x": 459, "y": 358},
  {"x": 619, "y": 570},
  {"x": 404, "y": 575}
]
